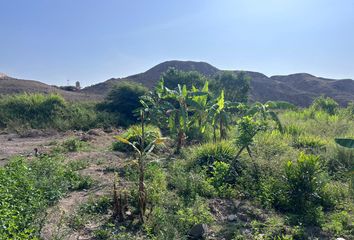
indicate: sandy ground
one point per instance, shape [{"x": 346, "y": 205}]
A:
[{"x": 14, "y": 145}]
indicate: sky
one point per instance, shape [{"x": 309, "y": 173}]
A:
[{"x": 61, "y": 41}]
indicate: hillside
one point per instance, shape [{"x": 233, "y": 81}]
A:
[
  {"x": 299, "y": 89},
  {"x": 10, "y": 85}
]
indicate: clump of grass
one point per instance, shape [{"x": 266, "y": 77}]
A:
[{"x": 133, "y": 134}]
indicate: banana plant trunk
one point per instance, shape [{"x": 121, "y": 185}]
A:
[
  {"x": 180, "y": 139},
  {"x": 222, "y": 130},
  {"x": 142, "y": 192}
]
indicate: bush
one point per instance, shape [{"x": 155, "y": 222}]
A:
[
  {"x": 172, "y": 77},
  {"x": 133, "y": 135},
  {"x": 304, "y": 186},
  {"x": 208, "y": 153},
  {"x": 36, "y": 110},
  {"x": 72, "y": 145},
  {"x": 26, "y": 189},
  {"x": 236, "y": 86},
  {"x": 122, "y": 100},
  {"x": 325, "y": 104},
  {"x": 197, "y": 213},
  {"x": 310, "y": 143},
  {"x": 188, "y": 183}
]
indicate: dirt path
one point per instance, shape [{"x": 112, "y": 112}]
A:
[
  {"x": 99, "y": 159},
  {"x": 15, "y": 145}
]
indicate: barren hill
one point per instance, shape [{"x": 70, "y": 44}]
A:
[
  {"x": 9, "y": 85},
  {"x": 300, "y": 88}
]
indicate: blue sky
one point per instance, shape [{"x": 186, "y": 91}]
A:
[{"x": 93, "y": 40}]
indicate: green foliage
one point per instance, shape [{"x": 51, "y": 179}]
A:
[
  {"x": 236, "y": 86},
  {"x": 39, "y": 111},
  {"x": 312, "y": 143},
  {"x": 26, "y": 189},
  {"x": 188, "y": 183},
  {"x": 221, "y": 178},
  {"x": 133, "y": 134},
  {"x": 340, "y": 224},
  {"x": 173, "y": 77},
  {"x": 304, "y": 184},
  {"x": 36, "y": 110},
  {"x": 195, "y": 214},
  {"x": 325, "y": 104},
  {"x": 123, "y": 99},
  {"x": 207, "y": 154},
  {"x": 247, "y": 129},
  {"x": 97, "y": 206},
  {"x": 72, "y": 145}
]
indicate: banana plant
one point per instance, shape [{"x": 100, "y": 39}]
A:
[
  {"x": 142, "y": 151},
  {"x": 220, "y": 115},
  {"x": 178, "y": 107},
  {"x": 264, "y": 112},
  {"x": 199, "y": 105}
]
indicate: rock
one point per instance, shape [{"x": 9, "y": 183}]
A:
[
  {"x": 199, "y": 231},
  {"x": 9, "y": 139},
  {"x": 93, "y": 132},
  {"x": 232, "y": 218},
  {"x": 86, "y": 138},
  {"x": 31, "y": 133},
  {"x": 108, "y": 130},
  {"x": 340, "y": 238}
]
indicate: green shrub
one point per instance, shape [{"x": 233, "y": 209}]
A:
[
  {"x": 133, "y": 135},
  {"x": 305, "y": 182},
  {"x": 197, "y": 213},
  {"x": 325, "y": 104},
  {"x": 97, "y": 206},
  {"x": 208, "y": 153},
  {"x": 189, "y": 184},
  {"x": 221, "y": 178},
  {"x": 26, "y": 189},
  {"x": 340, "y": 224},
  {"x": 172, "y": 77},
  {"x": 122, "y": 100},
  {"x": 36, "y": 110},
  {"x": 72, "y": 145},
  {"x": 247, "y": 129},
  {"x": 310, "y": 143}
]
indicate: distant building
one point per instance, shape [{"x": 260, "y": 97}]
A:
[{"x": 77, "y": 84}]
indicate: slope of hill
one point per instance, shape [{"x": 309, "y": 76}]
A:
[
  {"x": 299, "y": 89},
  {"x": 9, "y": 85},
  {"x": 152, "y": 76}
]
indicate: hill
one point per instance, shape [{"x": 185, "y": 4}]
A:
[
  {"x": 299, "y": 89},
  {"x": 10, "y": 85}
]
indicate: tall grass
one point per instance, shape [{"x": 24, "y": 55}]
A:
[{"x": 39, "y": 111}]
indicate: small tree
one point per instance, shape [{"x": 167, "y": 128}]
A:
[
  {"x": 172, "y": 77},
  {"x": 236, "y": 86},
  {"x": 123, "y": 99},
  {"x": 264, "y": 112},
  {"x": 247, "y": 130}
]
